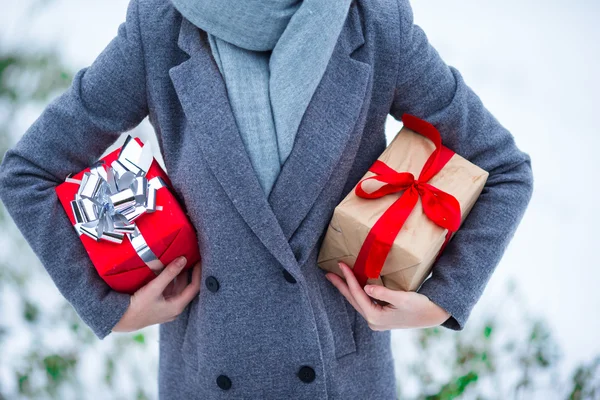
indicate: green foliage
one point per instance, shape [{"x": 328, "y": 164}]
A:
[
  {"x": 31, "y": 77},
  {"x": 109, "y": 373},
  {"x": 30, "y": 312},
  {"x": 140, "y": 338},
  {"x": 26, "y": 79},
  {"x": 59, "y": 368},
  {"x": 500, "y": 356},
  {"x": 586, "y": 381}
]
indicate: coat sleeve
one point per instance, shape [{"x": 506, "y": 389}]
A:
[
  {"x": 104, "y": 99},
  {"x": 429, "y": 89}
]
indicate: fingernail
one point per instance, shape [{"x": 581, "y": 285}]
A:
[
  {"x": 340, "y": 264},
  {"x": 181, "y": 261},
  {"x": 369, "y": 289}
]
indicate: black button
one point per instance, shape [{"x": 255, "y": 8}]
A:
[
  {"x": 306, "y": 374},
  {"x": 212, "y": 283},
  {"x": 288, "y": 277},
  {"x": 224, "y": 382}
]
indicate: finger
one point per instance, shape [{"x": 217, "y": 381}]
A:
[
  {"x": 339, "y": 283},
  {"x": 158, "y": 284},
  {"x": 181, "y": 281},
  {"x": 361, "y": 297},
  {"x": 385, "y": 294},
  {"x": 189, "y": 292},
  {"x": 176, "y": 285},
  {"x": 170, "y": 288}
]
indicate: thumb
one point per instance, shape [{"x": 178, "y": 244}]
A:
[{"x": 379, "y": 292}]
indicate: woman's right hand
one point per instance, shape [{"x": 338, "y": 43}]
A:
[{"x": 161, "y": 300}]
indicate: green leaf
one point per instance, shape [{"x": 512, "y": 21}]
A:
[
  {"x": 140, "y": 338},
  {"x": 58, "y": 367},
  {"x": 30, "y": 312},
  {"x": 487, "y": 331},
  {"x": 24, "y": 383},
  {"x": 463, "y": 381},
  {"x": 110, "y": 371}
]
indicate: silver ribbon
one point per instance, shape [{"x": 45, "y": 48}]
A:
[{"x": 110, "y": 200}]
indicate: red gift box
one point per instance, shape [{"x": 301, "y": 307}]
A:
[{"x": 157, "y": 227}]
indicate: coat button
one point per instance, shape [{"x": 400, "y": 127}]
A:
[
  {"x": 212, "y": 284},
  {"x": 306, "y": 374},
  {"x": 288, "y": 277},
  {"x": 224, "y": 382}
]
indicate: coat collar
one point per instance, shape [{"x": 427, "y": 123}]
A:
[{"x": 318, "y": 144}]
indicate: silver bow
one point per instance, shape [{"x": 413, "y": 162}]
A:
[{"x": 110, "y": 200}]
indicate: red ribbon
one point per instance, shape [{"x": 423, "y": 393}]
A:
[{"x": 440, "y": 207}]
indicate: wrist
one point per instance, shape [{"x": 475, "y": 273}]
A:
[
  {"x": 438, "y": 315},
  {"x": 124, "y": 323},
  {"x": 428, "y": 313}
]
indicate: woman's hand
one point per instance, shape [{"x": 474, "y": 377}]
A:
[
  {"x": 405, "y": 309},
  {"x": 161, "y": 300}
]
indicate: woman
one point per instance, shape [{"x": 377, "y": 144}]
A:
[{"x": 267, "y": 115}]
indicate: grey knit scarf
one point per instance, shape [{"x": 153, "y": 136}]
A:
[{"x": 272, "y": 55}]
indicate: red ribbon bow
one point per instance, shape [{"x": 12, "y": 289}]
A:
[{"x": 440, "y": 207}]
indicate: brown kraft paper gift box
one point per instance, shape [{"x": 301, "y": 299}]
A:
[{"x": 418, "y": 243}]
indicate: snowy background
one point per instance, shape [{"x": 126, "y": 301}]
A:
[{"x": 535, "y": 66}]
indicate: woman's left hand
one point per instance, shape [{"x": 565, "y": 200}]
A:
[{"x": 405, "y": 309}]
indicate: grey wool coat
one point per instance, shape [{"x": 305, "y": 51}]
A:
[{"x": 274, "y": 314}]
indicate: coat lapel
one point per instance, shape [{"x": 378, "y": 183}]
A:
[
  {"x": 203, "y": 97},
  {"x": 324, "y": 129},
  {"x": 317, "y": 148}
]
